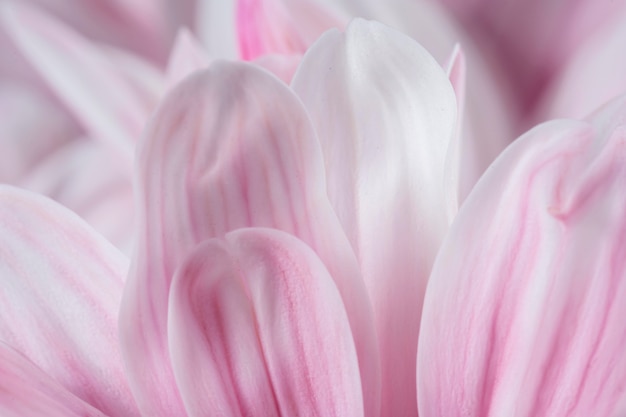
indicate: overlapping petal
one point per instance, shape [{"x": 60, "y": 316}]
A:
[
  {"x": 27, "y": 391},
  {"x": 524, "y": 313},
  {"x": 60, "y": 291},
  {"x": 230, "y": 147},
  {"x": 257, "y": 327},
  {"x": 385, "y": 114}
]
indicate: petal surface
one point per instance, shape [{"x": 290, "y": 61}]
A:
[
  {"x": 524, "y": 313},
  {"x": 26, "y": 391},
  {"x": 230, "y": 147},
  {"x": 187, "y": 57},
  {"x": 258, "y": 328},
  {"x": 59, "y": 294},
  {"x": 385, "y": 113}
]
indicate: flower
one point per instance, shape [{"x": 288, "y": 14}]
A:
[{"x": 286, "y": 229}]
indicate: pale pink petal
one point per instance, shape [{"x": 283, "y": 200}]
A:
[
  {"x": 282, "y": 66},
  {"x": 456, "y": 69},
  {"x": 80, "y": 74},
  {"x": 591, "y": 77},
  {"x": 257, "y": 327},
  {"x": 26, "y": 391},
  {"x": 140, "y": 26},
  {"x": 385, "y": 114},
  {"x": 281, "y": 26},
  {"x": 524, "y": 313},
  {"x": 187, "y": 57},
  {"x": 230, "y": 147},
  {"x": 60, "y": 290}
]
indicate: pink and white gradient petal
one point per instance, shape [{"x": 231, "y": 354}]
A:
[
  {"x": 524, "y": 312},
  {"x": 60, "y": 291},
  {"x": 258, "y": 327},
  {"x": 385, "y": 114}
]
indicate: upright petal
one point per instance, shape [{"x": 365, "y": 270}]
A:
[
  {"x": 385, "y": 114},
  {"x": 524, "y": 313},
  {"x": 60, "y": 290},
  {"x": 258, "y": 328},
  {"x": 26, "y": 391},
  {"x": 230, "y": 147}
]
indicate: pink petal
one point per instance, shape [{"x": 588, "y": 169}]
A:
[
  {"x": 80, "y": 74},
  {"x": 26, "y": 391},
  {"x": 257, "y": 327},
  {"x": 61, "y": 288},
  {"x": 216, "y": 28},
  {"x": 230, "y": 147},
  {"x": 187, "y": 57},
  {"x": 280, "y": 26},
  {"x": 524, "y": 313},
  {"x": 385, "y": 114}
]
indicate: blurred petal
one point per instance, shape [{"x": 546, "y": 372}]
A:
[
  {"x": 280, "y": 26},
  {"x": 258, "y": 328},
  {"x": 592, "y": 77},
  {"x": 84, "y": 177},
  {"x": 524, "y": 313},
  {"x": 532, "y": 38},
  {"x": 230, "y": 147},
  {"x": 26, "y": 391},
  {"x": 80, "y": 75},
  {"x": 59, "y": 294},
  {"x": 187, "y": 57},
  {"x": 385, "y": 114}
]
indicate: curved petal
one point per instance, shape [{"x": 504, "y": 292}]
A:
[
  {"x": 26, "y": 391},
  {"x": 524, "y": 313},
  {"x": 282, "y": 66},
  {"x": 230, "y": 147},
  {"x": 59, "y": 294},
  {"x": 257, "y": 327},
  {"x": 80, "y": 74},
  {"x": 385, "y": 114}
]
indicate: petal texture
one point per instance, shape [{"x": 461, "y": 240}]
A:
[
  {"x": 385, "y": 114},
  {"x": 524, "y": 313},
  {"x": 59, "y": 294},
  {"x": 26, "y": 391},
  {"x": 230, "y": 147},
  {"x": 258, "y": 328}
]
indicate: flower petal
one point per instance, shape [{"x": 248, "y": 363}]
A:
[
  {"x": 280, "y": 26},
  {"x": 524, "y": 313},
  {"x": 230, "y": 147},
  {"x": 385, "y": 114},
  {"x": 59, "y": 294},
  {"x": 26, "y": 391},
  {"x": 258, "y": 328},
  {"x": 80, "y": 75}
]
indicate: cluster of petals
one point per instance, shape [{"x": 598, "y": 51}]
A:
[{"x": 305, "y": 234}]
